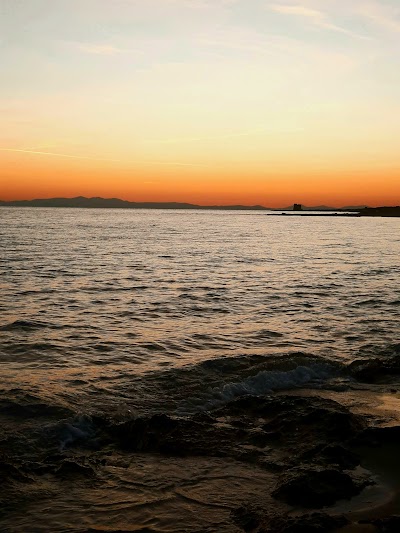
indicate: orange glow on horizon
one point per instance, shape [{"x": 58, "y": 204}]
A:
[
  {"x": 270, "y": 105},
  {"x": 28, "y": 177}
]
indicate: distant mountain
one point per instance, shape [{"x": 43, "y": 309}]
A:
[
  {"x": 117, "y": 203},
  {"x": 82, "y": 202}
]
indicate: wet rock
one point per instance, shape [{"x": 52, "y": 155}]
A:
[
  {"x": 369, "y": 371},
  {"x": 340, "y": 456},
  {"x": 318, "y": 488},
  {"x": 376, "y": 366},
  {"x": 389, "y": 524},
  {"x": 10, "y": 472},
  {"x": 268, "y": 430},
  {"x": 378, "y": 436},
  {"x": 71, "y": 468},
  {"x": 309, "y": 523},
  {"x": 254, "y": 520},
  {"x": 101, "y": 530},
  {"x": 247, "y": 518},
  {"x": 108, "y": 530},
  {"x": 145, "y": 434}
]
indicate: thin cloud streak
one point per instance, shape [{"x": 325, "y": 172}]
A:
[
  {"x": 385, "y": 17},
  {"x": 258, "y": 131},
  {"x": 53, "y": 154},
  {"x": 317, "y": 17},
  {"x": 101, "y": 49}
]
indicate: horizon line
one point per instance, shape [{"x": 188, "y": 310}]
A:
[{"x": 260, "y": 206}]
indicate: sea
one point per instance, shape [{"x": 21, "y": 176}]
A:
[{"x": 119, "y": 326}]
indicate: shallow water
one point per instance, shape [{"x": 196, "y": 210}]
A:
[{"x": 126, "y": 312}]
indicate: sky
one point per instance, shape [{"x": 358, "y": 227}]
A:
[{"x": 203, "y": 101}]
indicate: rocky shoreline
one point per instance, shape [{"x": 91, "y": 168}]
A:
[{"x": 323, "y": 465}]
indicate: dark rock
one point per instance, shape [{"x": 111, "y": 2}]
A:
[
  {"x": 389, "y": 524},
  {"x": 318, "y": 488},
  {"x": 309, "y": 523},
  {"x": 267, "y": 430},
  {"x": 378, "y": 436},
  {"x": 248, "y": 518},
  {"x": 251, "y": 519},
  {"x": 340, "y": 456},
  {"x": 71, "y": 468},
  {"x": 375, "y": 366},
  {"x": 10, "y": 472}
]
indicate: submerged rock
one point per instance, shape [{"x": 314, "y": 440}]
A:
[
  {"x": 317, "y": 488},
  {"x": 253, "y": 520},
  {"x": 247, "y": 518},
  {"x": 390, "y": 524},
  {"x": 378, "y": 365},
  {"x": 379, "y": 436},
  {"x": 268, "y": 430},
  {"x": 309, "y": 523},
  {"x": 70, "y": 468},
  {"x": 10, "y": 473}
]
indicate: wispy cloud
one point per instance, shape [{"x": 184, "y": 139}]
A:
[
  {"x": 103, "y": 49},
  {"x": 100, "y": 49},
  {"x": 55, "y": 154},
  {"x": 316, "y": 17},
  {"x": 230, "y": 135},
  {"x": 386, "y": 16},
  {"x": 303, "y": 11},
  {"x": 69, "y": 156}
]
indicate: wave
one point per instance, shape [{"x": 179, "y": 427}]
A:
[
  {"x": 29, "y": 325},
  {"x": 263, "y": 383},
  {"x": 23, "y": 325}
]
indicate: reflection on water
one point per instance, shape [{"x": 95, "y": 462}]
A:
[
  {"x": 110, "y": 316},
  {"x": 94, "y": 295}
]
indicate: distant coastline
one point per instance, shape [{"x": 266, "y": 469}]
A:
[{"x": 116, "y": 203}]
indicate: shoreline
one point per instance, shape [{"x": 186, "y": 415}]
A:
[{"x": 242, "y": 210}]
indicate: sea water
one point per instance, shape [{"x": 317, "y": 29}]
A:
[{"x": 129, "y": 312}]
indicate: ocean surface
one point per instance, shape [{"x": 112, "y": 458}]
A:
[{"x": 121, "y": 314}]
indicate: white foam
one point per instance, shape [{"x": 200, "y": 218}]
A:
[
  {"x": 265, "y": 382},
  {"x": 82, "y": 428}
]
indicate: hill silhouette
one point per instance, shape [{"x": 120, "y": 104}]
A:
[
  {"x": 97, "y": 202},
  {"x": 117, "y": 203}
]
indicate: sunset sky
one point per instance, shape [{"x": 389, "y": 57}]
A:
[{"x": 204, "y": 101}]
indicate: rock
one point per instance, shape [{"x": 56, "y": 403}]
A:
[
  {"x": 71, "y": 468},
  {"x": 309, "y": 523},
  {"x": 318, "y": 488},
  {"x": 379, "y": 436},
  {"x": 340, "y": 456},
  {"x": 377, "y": 365},
  {"x": 247, "y": 518},
  {"x": 254, "y": 520},
  {"x": 267, "y": 430},
  {"x": 9, "y": 472},
  {"x": 390, "y": 524}
]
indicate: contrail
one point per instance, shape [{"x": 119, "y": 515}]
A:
[{"x": 54, "y": 154}]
